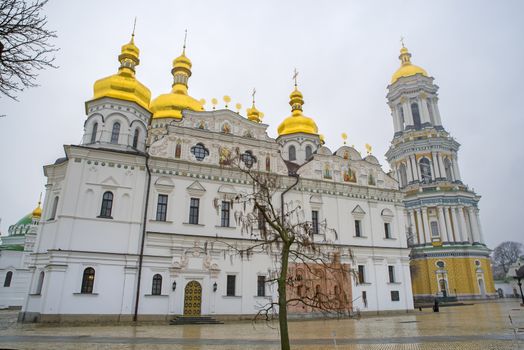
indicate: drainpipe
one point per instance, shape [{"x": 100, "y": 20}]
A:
[{"x": 143, "y": 238}]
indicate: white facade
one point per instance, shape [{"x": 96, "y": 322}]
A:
[{"x": 76, "y": 234}]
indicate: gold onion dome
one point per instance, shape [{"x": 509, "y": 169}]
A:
[
  {"x": 124, "y": 85},
  {"x": 37, "y": 212},
  {"x": 172, "y": 104},
  {"x": 297, "y": 122},
  {"x": 406, "y": 68},
  {"x": 254, "y": 114}
]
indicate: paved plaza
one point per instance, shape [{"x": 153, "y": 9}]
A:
[{"x": 483, "y": 325}]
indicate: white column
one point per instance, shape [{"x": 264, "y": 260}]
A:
[
  {"x": 424, "y": 111},
  {"x": 433, "y": 172},
  {"x": 456, "y": 228},
  {"x": 411, "y": 222},
  {"x": 396, "y": 122},
  {"x": 409, "y": 171},
  {"x": 474, "y": 224},
  {"x": 407, "y": 113},
  {"x": 436, "y": 161},
  {"x": 456, "y": 168},
  {"x": 437, "y": 112},
  {"x": 451, "y": 238},
  {"x": 463, "y": 227},
  {"x": 481, "y": 234},
  {"x": 425, "y": 220},
  {"x": 417, "y": 170},
  {"x": 420, "y": 231},
  {"x": 444, "y": 235}
]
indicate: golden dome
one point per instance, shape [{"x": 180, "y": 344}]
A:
[
  {"x": 172, "y": 104},
  {"x": 37, "y": 212},
  {"x": 297, "y": 122},
  {"x": 124, "y": 85},
  {"x": 406, "y": 69},
  {"x": 254, "y": 114}
]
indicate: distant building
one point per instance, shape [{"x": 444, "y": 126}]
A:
[{"x": 15, "y": 248}]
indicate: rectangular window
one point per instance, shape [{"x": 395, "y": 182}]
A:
[
  {"x": 161, "y": 208},
  {"x": 391, "y": 270},
  {"x": 224, "y": 219},
  {"x": 361, "y": 276},
  {"x": 387, "y": 232},
  {"x": 261, "y": 286},
  {"x": 358, "y": 232},
  {"x": 365, "y": 298},
  {"x": 314, "y": 221},
  {"x": 395, "y": 295},
  {"x": 231, "y": 279},
  {"x": 193, "y": 211},
  {"x": 434, "y": 229}
]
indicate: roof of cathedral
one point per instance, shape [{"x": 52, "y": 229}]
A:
[
  {"x": 172, "y": 104},
  {"x": 406, "y": 68},
  {"x": 124, "y": 85},
  {"x": 297, "y": 122}
]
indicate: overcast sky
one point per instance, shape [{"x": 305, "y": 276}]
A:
[{"x": 345, "y": 51}]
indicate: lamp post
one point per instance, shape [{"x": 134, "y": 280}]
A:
[{"x": 519, "y": 275}]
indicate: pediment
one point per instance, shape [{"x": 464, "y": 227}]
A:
[
  {"x": 315, "y": 199},
  {"x": 358, "y": 210},
  {"x": 109, "y": 181},
  {"x": 227, "y": 189},
  {"x": 196, "y": 188}
]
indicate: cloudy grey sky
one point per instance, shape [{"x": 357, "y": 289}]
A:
[{"x": 345, "y": 51}]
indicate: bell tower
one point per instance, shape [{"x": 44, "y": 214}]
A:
[{"x": 443, "y": 224}]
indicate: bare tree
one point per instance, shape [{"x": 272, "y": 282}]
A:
[
  {"x": 25, "y": 46},
  {"x": 308, "y": 272},
  {"x": 506, "y": 254}
]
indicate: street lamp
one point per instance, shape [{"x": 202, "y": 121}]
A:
[
  {"x": 519, "y": 275},
  {"x": 215, "y": 286}
]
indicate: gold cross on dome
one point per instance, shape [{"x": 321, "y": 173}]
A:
[
  {"x": 253, "y": 94},
  {"x": 185, "y": 39},
  {"x": 134, "y": 27},
  {"x": 402, "y": 41},
  {"x": 295, "y": 75}
]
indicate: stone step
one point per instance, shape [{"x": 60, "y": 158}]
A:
[{"x": 181, "y": 320}]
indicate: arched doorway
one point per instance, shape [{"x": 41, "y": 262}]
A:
[
  {"x": 482, "y": 288},
  {"x": 443, "y": 285},
  {"x": 192, "y": 298}
]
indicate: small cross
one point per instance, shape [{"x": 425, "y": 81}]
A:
[
  {"x": 295, "y": 75},
  {"x": 402, "y": 41},
  {"x": 253, "y": 94},
  {"x": 134, "y": 26},
  {"x": 185, "y": 39}
]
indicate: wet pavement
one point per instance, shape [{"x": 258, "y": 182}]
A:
[{"x": 479, "y": 326}]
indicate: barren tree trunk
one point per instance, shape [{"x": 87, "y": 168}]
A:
[{"x": 282, "y": 299}]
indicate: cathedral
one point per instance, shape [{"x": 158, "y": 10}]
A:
[{"x": 141, "y": 217}]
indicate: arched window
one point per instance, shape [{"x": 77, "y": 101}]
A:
[
  {"x": 135, "y": 138},
  {"x": 416, "y": 115},
  {"x": 88, "y": 280},
  {"x": 8, "y": 278},
  {"x": 40, "y": 283},
  {"x": 292, "y": 153},
  {"x": 107, "y": 205},
  {"x": 115, "y": 133},
  {"x": 156, "y": 289},
  {"x": 53, "y": 209},
  {"x": 447, "y": 168},
  {"x": 93, "y": 132},
  {"x": 403, "y": 175},
  {"x": 309, "y": 152},
  {"x": 425, "y": 170}
]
